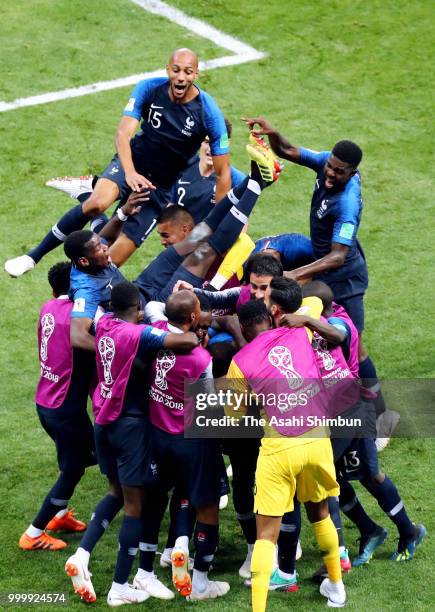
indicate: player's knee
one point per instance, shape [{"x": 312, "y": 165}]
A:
[
  {"x": 378, "y": 479},
  {"x": 115, "y": 489},
  {"x": 208, "y": 514},
  {"x": 202, "y": 252},
  {"x": 96, "y": 204}
]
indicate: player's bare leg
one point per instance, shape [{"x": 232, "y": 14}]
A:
[{"x": 122, "y": 249}]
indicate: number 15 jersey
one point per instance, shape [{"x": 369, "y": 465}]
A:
[{"x": 171, "y": 133}]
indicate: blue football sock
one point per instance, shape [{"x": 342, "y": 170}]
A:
[
  {"x": 249, "y": 526},
  {"x": 57, "y": 499},
  {"x": 101, "y": 518},
  {"x": 230, "y": 227},
  {"x": 73, "y": 220},
  {"x": 206, "y": 541},
  {"x": 351, "y": 507},
  {"x": 153, "y": 512},
  {"x": 219, "y": 211},
  {"x": 288, "y": 539},
  {"x": 98, "y": 223},
  {"x": 388, "y": 498},
  {"x": 129, "y": 537},
  {"x": 84, "y": 196},
  {"x": 184, "y": 518},
  {"x": 369, "y": 379},
  {"x": 334, "y": 511}
]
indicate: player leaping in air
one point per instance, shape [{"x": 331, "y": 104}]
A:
[{"x": 176, "y": 117}]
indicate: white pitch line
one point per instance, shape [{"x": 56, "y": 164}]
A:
[{"x": 242, "y": 53}]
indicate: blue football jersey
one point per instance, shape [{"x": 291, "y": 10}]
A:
[
  {"x": 295, "y": 249},
  {"x": 88, "y": 291},
  {"x": 172, "y": 133},
  {"x": 196, "y": 192},
  {"x": 335, "y": 215}
]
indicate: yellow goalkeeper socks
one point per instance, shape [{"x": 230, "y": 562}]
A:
[
  {"x": 327, "y": 540},
  {"x": 261, "y": 570},
  {"x": 233, "y": 261}
]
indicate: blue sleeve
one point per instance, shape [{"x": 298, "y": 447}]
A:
[
  {"x": 313, "y": 159},
  {"x": 348, "y": 215},
  {"x": 221, "y": 300},
  {"x": 140, "y": 96},
  {"x": 151, "y": 339},
  {"x": 344, "y": 327},
  {"x": 86, "y": 301},
  {"x": 236, "y": 176},
  {"x": 215, "y": 125},
  {"x": 291, "y": 246}
]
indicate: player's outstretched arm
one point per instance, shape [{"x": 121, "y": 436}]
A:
[
  {"x": 112, "y": 229},
  {"x": 181, "y": 342},
  {"x": 280, "y": 145},
  {"x": 326, "y": 330},
  {"x": 126, "y": 129},
  {"x": 222, "y": 168},
  {"x": 334, "y": 259}
]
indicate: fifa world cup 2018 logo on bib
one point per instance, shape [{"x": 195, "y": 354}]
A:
[
  {"x": 281, "y": 359},
  {"x": 165, "y": 362},
  {"x": 47, "y": 328},
  {"x": 321, "y": 347},
  {"x": 106, "y": 348}
]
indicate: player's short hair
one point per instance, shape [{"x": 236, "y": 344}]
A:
[
  {"x": 124, "y": 295},
  {"x": 75, "y": 244},
  {"x": 252, "y": 313},
  {"x": 175, "y": 213},
  {"x": 229, "y": 127},
  {"x": 59, "y": 277},
  {"x": 285, "y": 293},
  {"x": 262, "y": 264},
  {"x": 348, "y": 152},
  {"x": 180, "y": 305},
  {"x": 321, "y": 290}
]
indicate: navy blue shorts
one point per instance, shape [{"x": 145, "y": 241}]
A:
[
  {"x": 349, "y": 286},
  {"x": 73, "y": 435},
  {"x": 137, "y": 227},
  {"x": 158, "y": 279},
  {"x": 193, "y": 465},
  {"x": 123, "y": 450},
  {"x": 358, "y": 461},
  {"x": 354, "y": 306}
]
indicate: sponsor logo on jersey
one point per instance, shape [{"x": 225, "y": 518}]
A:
[{"x": 155, "y": 106}]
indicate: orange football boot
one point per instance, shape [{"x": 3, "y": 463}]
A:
[
  {"x": 68, "y": 522},
  {"x": 42, "y": 542}
]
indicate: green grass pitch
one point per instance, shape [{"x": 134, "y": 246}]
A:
[{"x": 358, "y": 70}]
